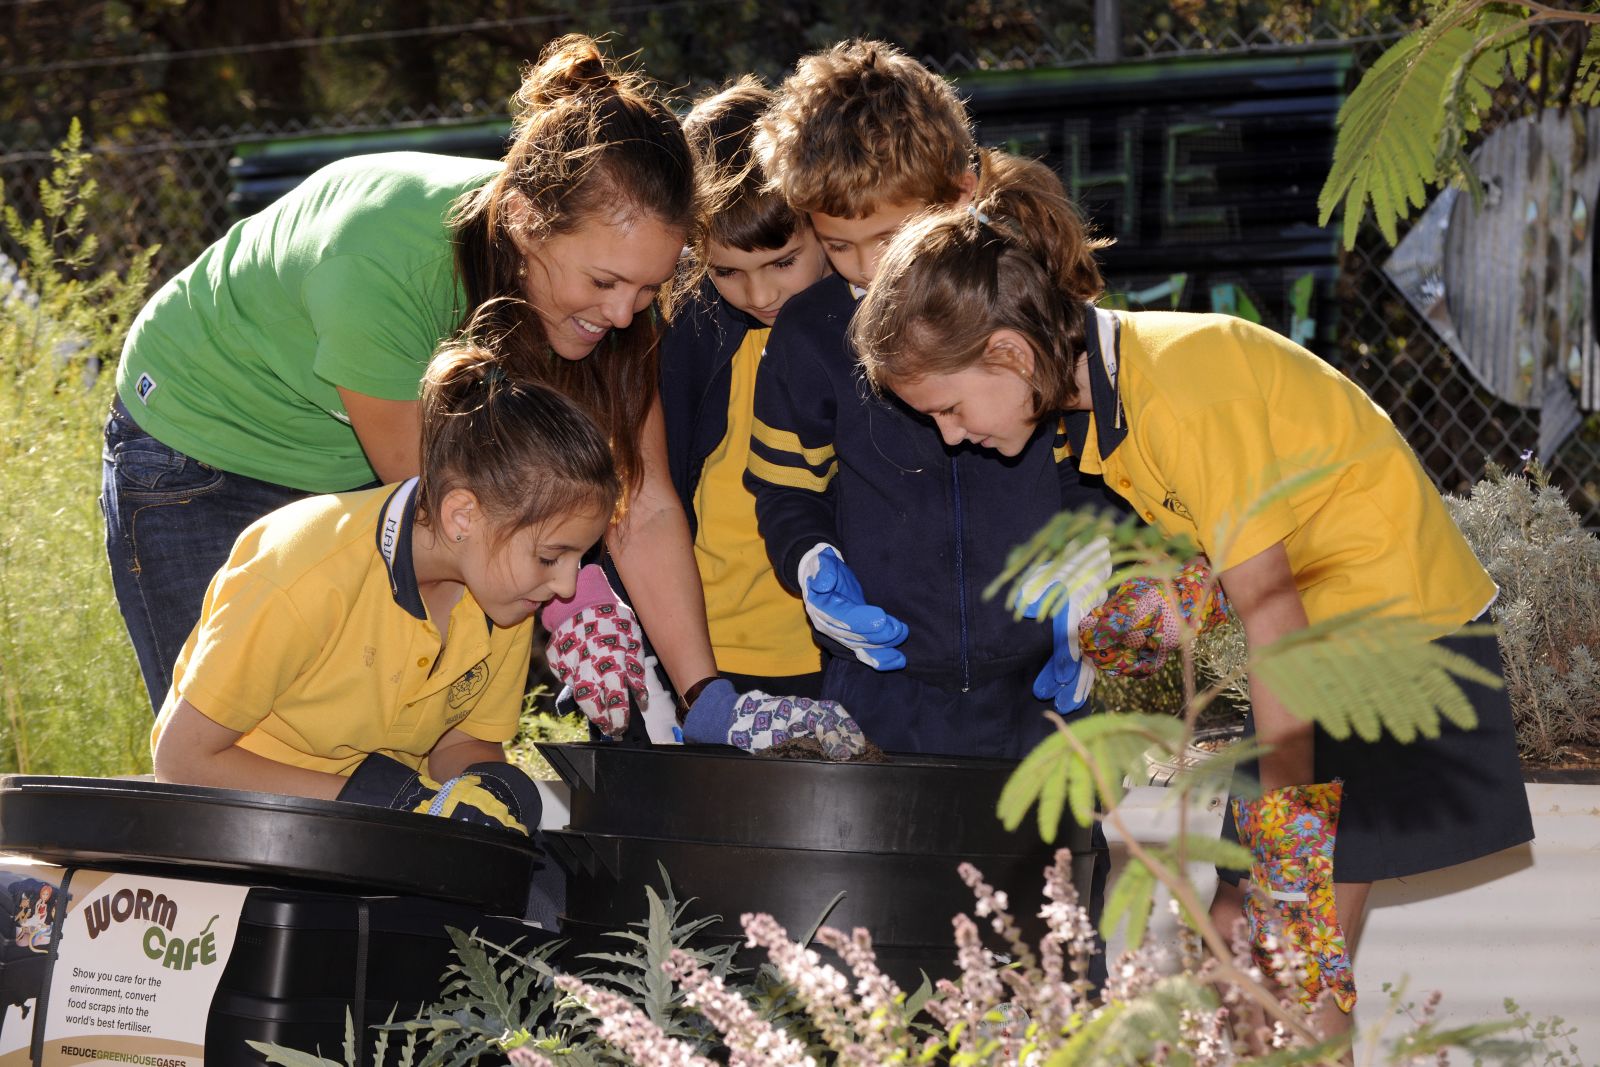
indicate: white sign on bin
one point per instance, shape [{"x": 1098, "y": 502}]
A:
[{"x": 138, "y": 961}]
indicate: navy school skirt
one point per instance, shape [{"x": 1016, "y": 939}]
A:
[{"x": 1410, "y": 808}]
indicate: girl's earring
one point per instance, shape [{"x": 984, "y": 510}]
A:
[
  {"x": 522, "y": 270},
  {"x": 461, "y": 537}
]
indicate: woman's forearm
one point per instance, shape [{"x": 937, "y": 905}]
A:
[{"x": 655, "y": 557}]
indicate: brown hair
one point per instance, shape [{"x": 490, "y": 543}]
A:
[
  {"x": 588, "y": 141},
  {"x": 1020, "y": 258},
  {"x": 861, "y": 125},
  {"x": 527, "y": 452},
  {"x": 738, "y": 208}
]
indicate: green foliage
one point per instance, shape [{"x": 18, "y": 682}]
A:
[
  {"x": 538, "y": 723},
  {"x": 1547, "y": 566},
  {"x": 71, "y": 698},
  {"x": 1366, "y": 672},
  {"x": 1405, "y": 125},
  {"x": 288, "y": 1057},
  {"x": 1060, "y": 771},
  {"x": 638, "y": 974}
]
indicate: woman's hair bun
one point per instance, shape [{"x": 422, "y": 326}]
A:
[{"x": 569, "y": 66}]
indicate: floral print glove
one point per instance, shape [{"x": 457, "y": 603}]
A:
[
  {"x": 1291, "y": 833},
  {"x": 1135, "y": 630}
]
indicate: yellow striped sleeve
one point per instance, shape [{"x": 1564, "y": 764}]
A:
[
  {"x": 793, "y": 477},
  {"x": 786, "y": 441}
]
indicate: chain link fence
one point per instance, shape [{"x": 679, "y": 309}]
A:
[{"x": 175, "y": 192}]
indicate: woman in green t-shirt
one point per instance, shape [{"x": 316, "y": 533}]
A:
[{"x": 285, "y": 361}]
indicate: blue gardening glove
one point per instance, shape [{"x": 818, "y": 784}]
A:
[
  {"x": 1070, "y": 588},
  {"x": 838, "y": 609},
  {"x": 754, "y": 721},
  {"x": 384, "y": 782}
]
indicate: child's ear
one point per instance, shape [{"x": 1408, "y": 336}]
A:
[
  {"x": 1009, "y": 349},
  {"x": 968, "y": 186},
  {"x": 459, "y": 514}
]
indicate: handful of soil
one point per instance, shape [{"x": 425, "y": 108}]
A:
[{"x": 811, "y": 748}]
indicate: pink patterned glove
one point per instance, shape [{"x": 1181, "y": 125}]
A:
[
  {"x": 594, "y": 649},
  {"x": 1135, "y": 630}
]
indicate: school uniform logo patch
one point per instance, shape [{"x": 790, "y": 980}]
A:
[
  {"x": 144, "y": 387},
  {"x": 465, "y": 689},
  {"x": 1174, "y": 505}
]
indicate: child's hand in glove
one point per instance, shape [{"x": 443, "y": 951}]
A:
[
  {"x": 754, "y": 721},
  {"x": 1291, "y": 833},
  {"x": 387, "y": 783},
  {"x": 594, "y": 649},
  {"x": 1136, "y": 629},
  {"x": 838, "y": 609},
  {"x": 1066, "y": 591}
]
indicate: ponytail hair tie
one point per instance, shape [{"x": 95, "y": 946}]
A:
[{"x": 972, "y": 209}]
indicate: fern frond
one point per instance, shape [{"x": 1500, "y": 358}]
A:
[
  {"x": 1057, "y": 777},
  {"x": 1586, "y": 87},
  {"x": 1389, "y": 127},
  {"x": 1470, "y": 89},
  {"x": 1366, "y": 673}
]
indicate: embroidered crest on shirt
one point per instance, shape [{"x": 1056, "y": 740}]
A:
[
  {"x": 1174, "y": 505},
  {"x": 465, "y": 688}
]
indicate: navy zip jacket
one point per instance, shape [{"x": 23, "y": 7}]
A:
[
  {"x": 924, "y": 527},
  {"x": 697, "y": 351}
]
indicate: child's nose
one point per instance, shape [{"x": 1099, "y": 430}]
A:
[
  {"x": 565, "y": 580},
  {"x": 763, "y": 295},
  {"x": 951, "y": 430},
  {"x": 869, "y": 261}
]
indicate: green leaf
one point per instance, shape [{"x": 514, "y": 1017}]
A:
[
  {"x": 289, "y": 1057},
  {"x": 1131, "y": 898},
  {"x": 1198, "y": 848},
  {"x": 1366, "y": 673},
  {"x": 1391, "y": 125},
  {"x": 1078, "y": 1050},
  {"x": 1027, "y": 783}
]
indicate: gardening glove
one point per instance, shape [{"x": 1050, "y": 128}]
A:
[
  {"x": 838, "y": 609},
  {"x": 1135, "y": 630},
  {"x": 1291, "y": 832},
  {"x": 383, "y": 782},
  {"x": 594, "y": 649},
  {"x": 754, "y": 721},
  {"x": 1070, "y": 588}
]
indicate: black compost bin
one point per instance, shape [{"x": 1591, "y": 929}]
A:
[
  {"x": 740, "y": 834},
  {"x": 348, "y": 905}
]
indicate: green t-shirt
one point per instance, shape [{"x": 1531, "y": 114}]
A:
[{"x": 349, "y": 281}]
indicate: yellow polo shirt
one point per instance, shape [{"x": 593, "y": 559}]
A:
[
  {"x": 757, "y": 626},
  {"x": 314, "y": 642},
  {"x": 1219, "y": 411}
]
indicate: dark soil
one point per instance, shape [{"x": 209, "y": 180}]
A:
[{"x": 810, "y": 748}]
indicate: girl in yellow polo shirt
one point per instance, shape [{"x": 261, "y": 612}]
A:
[
  {"x": 369, "y": 645},
  {"x": 982, "y": 318}
]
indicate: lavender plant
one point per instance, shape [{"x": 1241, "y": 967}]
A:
[{"x": 1548, "y": 569}]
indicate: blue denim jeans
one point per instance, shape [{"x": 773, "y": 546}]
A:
[{"x": 170, "y": 525}]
